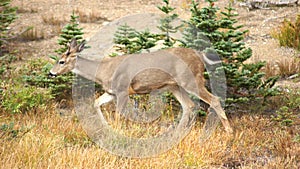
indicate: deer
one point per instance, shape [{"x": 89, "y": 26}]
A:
[{"x": 107, "y": 72}]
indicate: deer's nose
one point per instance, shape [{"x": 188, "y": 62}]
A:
[{"x": 52, "y": 74}]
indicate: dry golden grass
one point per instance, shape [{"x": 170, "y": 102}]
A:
[
  {"x": 288, "y": 67},
  {"x": 284, "y": 67},
  {"x": 32, "y": 34},
  {"x": 52, "y": 20},
  {"x": 58, "y": 142},
  {"x": 89, "y": 17}
]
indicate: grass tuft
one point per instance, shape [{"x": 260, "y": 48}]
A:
[{"x": 89, "y": 17}]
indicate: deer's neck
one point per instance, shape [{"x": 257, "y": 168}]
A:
[
  {"x": 100, "y": 72},
  {"x": 87, "y": 68}
]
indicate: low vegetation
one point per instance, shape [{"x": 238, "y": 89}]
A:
[
  {"x": 288, "y": 33},
  {"x": 46, "y": 139}
]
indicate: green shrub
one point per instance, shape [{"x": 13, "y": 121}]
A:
[
  {"x": 166, "y": 24},
  {"x": 36, "y": 73},
  {"x": 284, "y": 116},
  {"x": 18, "y": 98},
  {"x": 289, "y": 107},
  {"x": 288, "y": 33}
]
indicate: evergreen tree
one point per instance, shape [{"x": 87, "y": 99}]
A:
[
  {"x": 166, "y": 23},
  {"x": 123, "y": 36},
  {"x": 133, "y": 41},
  {"x": 69, "y": 32},
  {"x": 207, "y": 32}
]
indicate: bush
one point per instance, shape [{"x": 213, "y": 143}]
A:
[
  {"x": 288, "y": 33},
  {"x": 36, "y": 73},
  {"x": 20, "y": 99}
]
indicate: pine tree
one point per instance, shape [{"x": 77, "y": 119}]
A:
[
  {"x": 123, "y": 36},
  {"x": 69, "y": 32},
  {"x": 134, "y": 41},
  {"x": 166, "y": 23},
  {"x": 207, "y": 32}
]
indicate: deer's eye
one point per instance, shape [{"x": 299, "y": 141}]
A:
[{"x": 61, "y": 62}]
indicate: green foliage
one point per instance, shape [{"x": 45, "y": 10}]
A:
[
  {"x": 132, "y": 41},
  {"x": 5, "y": 70},
  {"x": 5, "y": 61},
  {"x": 124, "y": 36},
  {"x": 36, "y": 74},
  {"x": 297, "y": 138},
  {"x": 20, "y": 99},
  {"x": 7, "y": 16},
  {"x": 284, "y": 116},
  {"x": 69, "y": 32},
  {"x": 288, "y": 33},
  {"x": 166, "y": 24},
  {"x": 207, "y": 32},
  {"x": 289, "y": 108}
]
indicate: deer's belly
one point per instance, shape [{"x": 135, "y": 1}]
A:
[{"x": 149, "y": 80}]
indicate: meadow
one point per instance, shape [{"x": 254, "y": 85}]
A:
[{"x": 41, "y": 130}]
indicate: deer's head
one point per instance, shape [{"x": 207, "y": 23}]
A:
[{"x": 68, "y": 60}]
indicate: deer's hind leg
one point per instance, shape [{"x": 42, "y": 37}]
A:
[
  {"x": 215, "y": 103},
  {"x": 187, "y": 105}
]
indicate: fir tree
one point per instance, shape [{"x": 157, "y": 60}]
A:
[
  {"x": 206, "y": 32},
  {"x": 166, "y": 23},
  {"x": 123, "y": 36},
  {"x": 69, "y": 32},
  {"x": 133, "y": 41}
]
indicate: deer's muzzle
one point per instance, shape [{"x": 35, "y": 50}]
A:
[{"x": 52, "y": 75}]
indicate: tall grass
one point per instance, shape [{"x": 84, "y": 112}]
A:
[{"x": 59, "y": 142}]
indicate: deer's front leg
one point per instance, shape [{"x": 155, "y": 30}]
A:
[{"x": 105, "y": 98}]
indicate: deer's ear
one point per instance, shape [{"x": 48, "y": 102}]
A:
[
  {"x": 80, "y": 47},
  {"x": 73, "y": 44}
]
